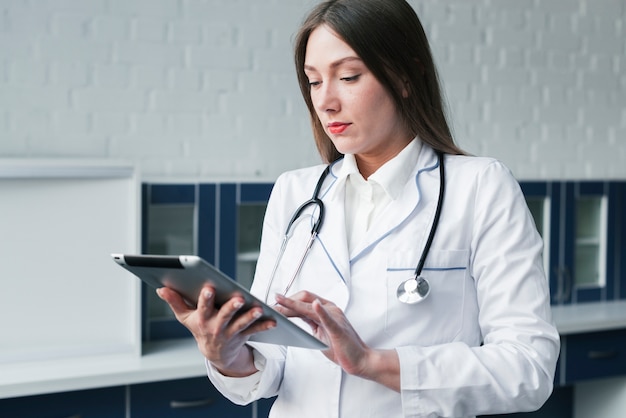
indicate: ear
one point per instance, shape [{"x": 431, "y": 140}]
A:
[{"x": 405, "y": 89}]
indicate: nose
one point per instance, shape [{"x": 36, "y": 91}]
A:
[{"x": 325, "y": 98}]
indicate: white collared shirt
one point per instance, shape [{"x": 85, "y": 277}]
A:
[{"x": 366, "y": 199}]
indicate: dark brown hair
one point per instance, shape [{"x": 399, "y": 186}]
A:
[{"x": 388, "y": 36}]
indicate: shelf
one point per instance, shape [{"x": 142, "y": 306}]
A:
[{"x": 250, "y": 256}]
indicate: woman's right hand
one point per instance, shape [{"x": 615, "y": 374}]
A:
[{"x": 221, "y": 334}]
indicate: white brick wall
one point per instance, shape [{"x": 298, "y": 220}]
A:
[{"x": 206, "y": 88}]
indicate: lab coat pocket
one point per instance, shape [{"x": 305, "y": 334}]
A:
[{"x": 439, "y": 317}]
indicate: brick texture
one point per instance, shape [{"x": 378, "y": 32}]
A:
[{"x": 206, "y": 88}]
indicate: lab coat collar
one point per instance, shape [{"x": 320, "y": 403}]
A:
[{"x": 333, "y": 236}]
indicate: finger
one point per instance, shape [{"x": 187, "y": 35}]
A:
[
  {"x": 294, "y": 307},
  {"x": 285, "y": 311},
  {"x": 302, "y": 310},
  {"x": 228, "y": 311},
  {"x": 206, "y": 302},
  {"x": 249, "y": 322},
  {"x": 174, "y": 300},
  {"x": 305, "y": 296},
  {"x": 258, "y": 326}
]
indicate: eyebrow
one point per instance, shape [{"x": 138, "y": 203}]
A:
[{"x": 334, "y": 64}]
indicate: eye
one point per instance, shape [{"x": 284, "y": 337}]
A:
[
  {"x": 351, "y": 78},
  {"x": 314, "y": 83}
]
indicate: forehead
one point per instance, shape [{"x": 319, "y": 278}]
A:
[{"x": 326, "y": 48}]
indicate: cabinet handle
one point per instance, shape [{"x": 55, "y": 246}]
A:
[
  {"x": 567, "y": 291},
  {"x": 191, "y": 404},
  {"x": 602, "y": 355}
]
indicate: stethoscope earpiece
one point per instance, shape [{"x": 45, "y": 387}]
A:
[{"x": 413, "y": 291}]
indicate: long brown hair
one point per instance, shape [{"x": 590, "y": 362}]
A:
[{"x": 388, "y": 36}]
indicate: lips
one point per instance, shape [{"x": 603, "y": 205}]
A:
[{"x": 337, "y": 127}]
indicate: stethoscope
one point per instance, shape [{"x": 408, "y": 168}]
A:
[{"x": 411, "y": 291}]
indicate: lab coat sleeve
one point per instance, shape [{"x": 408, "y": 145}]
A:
[
  {"x": 512, "y": 371},
  {"x": 268, "y": 360}
]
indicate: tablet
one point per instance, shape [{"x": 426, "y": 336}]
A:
[{"x": 187, "y": 274}]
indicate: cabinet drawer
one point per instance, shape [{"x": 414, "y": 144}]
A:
[
  {"x": 98, "y": 403},
  {"x": 595, "y": 355},
  {"x": 188, "y": 398}
]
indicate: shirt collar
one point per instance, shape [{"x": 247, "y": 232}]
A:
[{"x": 391, "y": 176}]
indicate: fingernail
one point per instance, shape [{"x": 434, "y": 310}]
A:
[
  {"x": 238, "y": 305},
  {"x": 257, "y": 314},
  {"x": 208, "y": 294}
]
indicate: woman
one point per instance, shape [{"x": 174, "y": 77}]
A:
[{"x": 481, "y": 342}]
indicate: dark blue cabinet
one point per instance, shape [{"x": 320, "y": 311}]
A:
[
  {"x": 594, "y": 355},
  {"x": 618, "y": 207},
  {"x": 217, "y": 221},
  {"x": 96, "y": 403},
  {"x": 544, "y": 202},
  {"x": 241, "y": 211},
  {"x": 582, "y": 225},
  {"x": 559, "y": 405},
  {"x": 187, "y": 398},
  {"x": 183, "y": 398}
]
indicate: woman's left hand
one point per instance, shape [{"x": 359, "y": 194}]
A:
[{"x": 345, "y": 347}]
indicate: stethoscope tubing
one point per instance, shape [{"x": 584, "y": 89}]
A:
[
  {"x": 433, "y": 229},
  {"x": 317, "y": 225}
]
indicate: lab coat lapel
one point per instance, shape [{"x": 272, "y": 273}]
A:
[
  {"x": 406, "y": 204},
  {"x": 333, "y": 233}
]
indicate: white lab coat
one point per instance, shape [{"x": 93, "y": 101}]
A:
[{"x": 482, "y": 342}]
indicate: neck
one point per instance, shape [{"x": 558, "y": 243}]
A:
[{"x": 369, "y": 163}]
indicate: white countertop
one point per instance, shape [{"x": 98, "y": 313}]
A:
[
  {"x": 173, "y": 359},
  {"x": 590, "y": 317},
  {"x": 179, "y": 359}
]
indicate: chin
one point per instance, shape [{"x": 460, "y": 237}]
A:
[{"x": 344, "y": 145}]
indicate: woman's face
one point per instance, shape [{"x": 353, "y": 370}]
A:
[{"x": 354, "y": 108}]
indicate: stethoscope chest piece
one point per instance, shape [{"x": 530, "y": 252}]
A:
[{"x": 414, "y": 290}]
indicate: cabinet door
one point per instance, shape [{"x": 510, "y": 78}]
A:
[
  {"x": 170, "y": 215},
  {"x": 559, "y": 405},
  {"x": 589, "y": 242},
  {"x": 220, "y": 222},
  {"x": 617, "y": 211},
  {"x": 580, "y": 224},
  {"x": 241, "y": 212},
  {"x": 594, "y": 355},
  {"x": 98, "y": 403},
  {"x": 544, "y": 202},
  {"x": 186, "y": 398}
]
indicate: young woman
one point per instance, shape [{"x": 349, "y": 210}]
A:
[{"x": 398, "y": 194}]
